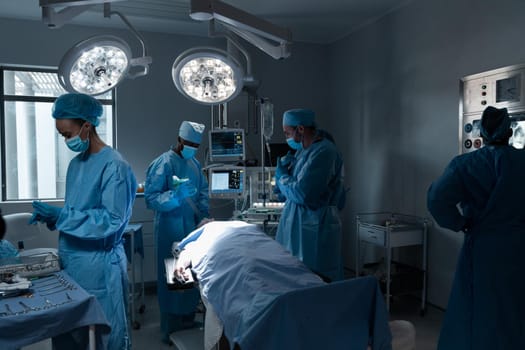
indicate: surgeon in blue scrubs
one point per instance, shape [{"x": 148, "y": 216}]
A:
[
  {"x": 100, "y": 190},
  {"x": 481, "y": 193},
  {"x": 310, "y": 227},
  {"x": 179, "y": 207}
]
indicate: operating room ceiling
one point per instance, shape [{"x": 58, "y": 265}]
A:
[{"x": 312, "y": 21}]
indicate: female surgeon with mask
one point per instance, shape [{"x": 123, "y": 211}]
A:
[{"x": 100, "y": 190}]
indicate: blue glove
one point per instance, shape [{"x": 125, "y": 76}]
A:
[
  {"x": 45, "y": 213},
  {"x": 185, "y": 189},
  {"x": 278, "y": 193},
  {"x": 282, "y": 169},
  {"x": 288, "y": 159}
]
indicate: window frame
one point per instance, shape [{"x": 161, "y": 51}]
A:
[{"x": 18, "y": 98}]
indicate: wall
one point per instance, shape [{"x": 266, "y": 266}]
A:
[
  {"x": 150, "y": 109},
  {"x": 394, "y": 106}
]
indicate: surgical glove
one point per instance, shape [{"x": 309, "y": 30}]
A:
[
  {"x": 288, "y": 159},
  {"x": 278, "y": 193},
  {"x": 185, "y": 189},
  {"x": 34, "y": 219},
  {"x": 282, "y": 169},
  {"x": 45, "y": 213}
]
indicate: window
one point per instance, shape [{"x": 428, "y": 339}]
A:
[{"x": 34, "y": 155}]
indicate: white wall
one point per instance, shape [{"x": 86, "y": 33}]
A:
[{"x": 394, "y": 106}]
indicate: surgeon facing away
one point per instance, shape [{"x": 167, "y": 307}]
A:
[
  {"x": 310, "y": 227},
  {"x": 100, "y": 190},
  {"x": 177, "y": 191},
  {"x": 481, "y": 193}
]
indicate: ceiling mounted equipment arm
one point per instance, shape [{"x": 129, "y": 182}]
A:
[
  {"x": 274, "y": 41},
  {"x": 69, "y": 10},
  {"x": 144, "y": 61}
]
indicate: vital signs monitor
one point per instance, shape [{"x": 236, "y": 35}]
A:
[
  {"x": 227, "y": 182},
  {"x": 227, "y": 145}
]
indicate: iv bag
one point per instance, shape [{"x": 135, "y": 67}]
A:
[{"x": 267, "y": 116}]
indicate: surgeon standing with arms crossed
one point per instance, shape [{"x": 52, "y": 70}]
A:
[
  {"x": 100, "y": 191},
  {"x": 310, "y": 227},
  {"x": 180, "y": 204}
]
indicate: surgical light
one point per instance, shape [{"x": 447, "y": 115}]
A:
[
  {"x": 207, "y": 75},
  {"x": 211, "y": 76},
  {"x": 98, "y": 64},
  {"x": 95, "y": 65}
]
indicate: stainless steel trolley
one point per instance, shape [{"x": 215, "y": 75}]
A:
[{"x": 391, "y": 230}]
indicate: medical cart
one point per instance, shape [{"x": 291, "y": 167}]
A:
[
  {"x": 393, "y": 230},
  {"x": 133, "y": 235}
]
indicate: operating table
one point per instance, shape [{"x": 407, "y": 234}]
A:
[{"x": 262, "y": 297}]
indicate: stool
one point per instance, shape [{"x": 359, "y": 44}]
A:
[
  {"x": 188, "y": 339},
  {"x": 403, "y": 335}
]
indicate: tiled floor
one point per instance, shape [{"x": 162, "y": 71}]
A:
[
  {"x": 427, "y": 326},
  {"x": 148, "y": 336}
]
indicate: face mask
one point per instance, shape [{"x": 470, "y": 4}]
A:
[
  {"x": 294, "y": 144},
  {"x": 188, "y": 152},
  {"x": 76, "y": 144}
]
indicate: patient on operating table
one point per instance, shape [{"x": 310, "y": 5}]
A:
[{"x": 249, "y": 283}]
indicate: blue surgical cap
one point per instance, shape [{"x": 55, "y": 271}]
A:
[
  {"x": 295, "y": 117},
  {"x": 495, "y": 125},
  {"x": 77, "y": 106},
  {"x": 191, "y": 131}
]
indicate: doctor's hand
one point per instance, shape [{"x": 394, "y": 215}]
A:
[
  {"x": 282, "y": 169},
  {"x": 186, "y": 189},
  {"x": 45, "y": 213},
  {"x": 288, "y": 159}
]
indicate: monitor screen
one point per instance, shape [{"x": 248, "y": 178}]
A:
[
  {"x": 226, "y": 182},
  {"x": 227, "y": 145}
]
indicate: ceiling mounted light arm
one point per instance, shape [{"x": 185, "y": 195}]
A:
[
  {"x": 144, "y": 61},
  {"x": 274, "y": 41},
  {"x": 70, "y": 9},
  {"x": 235, "y": 42}
]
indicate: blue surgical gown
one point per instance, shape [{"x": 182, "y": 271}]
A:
[
  {"x": 7, "y": 249},
  {"x": 174, "y": 219},
  {"x": 486, "y": 309},
  {"x": 310, "y": 227},
  {"x": 100, "y": 191}
]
